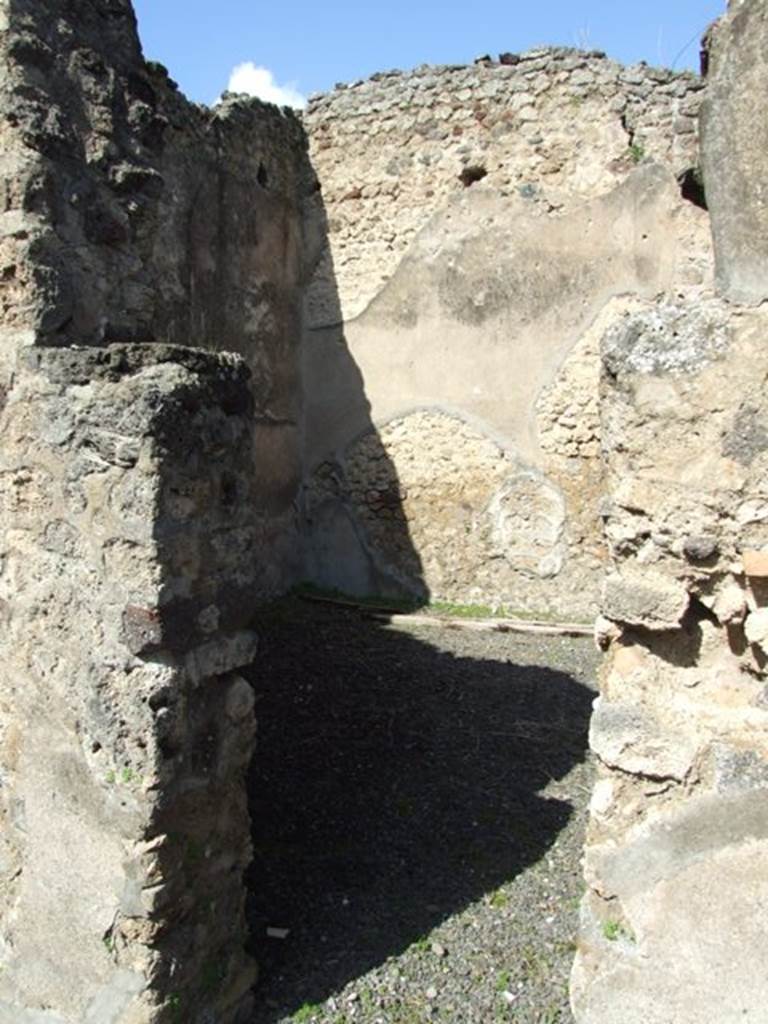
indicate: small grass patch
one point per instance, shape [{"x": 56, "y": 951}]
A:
[
  {"x": 483, "y": 611},
  {"x": 636, "y": 152},
  {"x": 533, "y": 962},
  {"x": 306, "y": 1012},
  {"x": 405, "y": 605},
  {"x": 615, "y": 930},
  {"x": 499, "y": 899},
  {"x": 463, "y": 611},
  {"x": 550, "y": 1015}
]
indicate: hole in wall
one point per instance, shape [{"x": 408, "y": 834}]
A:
[
  {"x": 691, "y": 185},
  {"x": 261, "y": 176},
  {"x": 469, "y": 175}
]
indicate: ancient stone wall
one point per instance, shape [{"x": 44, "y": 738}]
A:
[
  {"x": 483, "y": 225},
  {"x": 555, "y": 126},
  {"x": 147, "y": 500},
  {"x": 449, "y": 434},
  {"x": 125, "y": 590},
  {"x": 133, "y": 215},
  {"x": 734, "y": 139},
  {"x": 149, "y": 218},
  {"x": 673, "y": 928}
]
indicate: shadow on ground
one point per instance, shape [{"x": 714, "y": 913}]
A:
[{"x": 394, "y": 784}]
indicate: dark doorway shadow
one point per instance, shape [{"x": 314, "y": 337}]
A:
[{"x": 394, "y": 784}]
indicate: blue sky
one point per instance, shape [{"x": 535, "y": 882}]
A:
[{"x": 308, "y": 45}]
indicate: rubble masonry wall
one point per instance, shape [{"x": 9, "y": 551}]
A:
[
  {"x": 675, "y": 861},
  {"x": 151, "y": 255}
]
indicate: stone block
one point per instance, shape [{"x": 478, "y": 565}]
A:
[
  {"x": 631, "y": 738},
  {"x": 644, "y": 597},
  {"x": 687, "y": 887},
  {"x": 730, "y": 604},
  {"x": 756, "y": 628},
  {"x": 734, "y": 150}
]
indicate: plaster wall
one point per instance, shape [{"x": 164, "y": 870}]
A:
[{"x": 440, "y": 298}]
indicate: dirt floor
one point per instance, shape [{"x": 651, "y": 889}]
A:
[{"x": 418, "y": 799}]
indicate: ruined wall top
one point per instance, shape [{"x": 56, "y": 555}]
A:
[
  {"x": 130, "y": 215},
  {"x": 107, "y": 27},
  {"x": 553, "y": 127},
  {"x": 584, "y": 68},
  {"x": 118, "y": 190}
]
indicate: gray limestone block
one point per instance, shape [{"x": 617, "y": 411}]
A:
[
  {"x": 690, "y": 885},
  {"x": 630, "y": 737},
  {"x": 644, "y": 597},
  {"x": 738, "y": 769},
  {"x": 666, "y": 339}
]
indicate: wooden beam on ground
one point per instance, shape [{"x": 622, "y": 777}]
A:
[{"x": 486, "y": 625}]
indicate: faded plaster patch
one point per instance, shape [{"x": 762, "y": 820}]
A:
[{"x": 528, "y": 521}]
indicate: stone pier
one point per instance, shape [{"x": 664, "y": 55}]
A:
[
  {"x": 125, "y": 729},
  {"x": 674, "y": 925}
]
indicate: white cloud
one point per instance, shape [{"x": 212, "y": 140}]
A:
[{"x": 257, "y": 81}]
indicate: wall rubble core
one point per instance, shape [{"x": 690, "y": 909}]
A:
[
  {"x": 132, "y": 215},
  {"x": 556, "y": 128},
  {"x": 676, "y": 860}
]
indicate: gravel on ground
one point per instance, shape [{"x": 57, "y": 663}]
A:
[{"x": 418, "y": 799}]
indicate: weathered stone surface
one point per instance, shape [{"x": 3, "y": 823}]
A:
[
  {"x": 675, "y": 859},
  {"x": 667, "y": 339},
  {"x": 729, "y": 603},
  {"x": 132, "y": 540},
  {"x": 467, "y": 259},
  {"x": 135, "y": 216},
  {"x": 734, "y": 144},
  {"x": 142, "y": 187},
  {"x": 756, "y": 627},
  {"x": 690, "y": 945},
  {"x": 150, "y": 489},
  {"x": 629, "y": 737},
  {"x": 644, "y": 598},
  {"x": 123, "y": 742},
  {"x": 440, "y": 506},
  {"x": 699, "y": 547}
]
